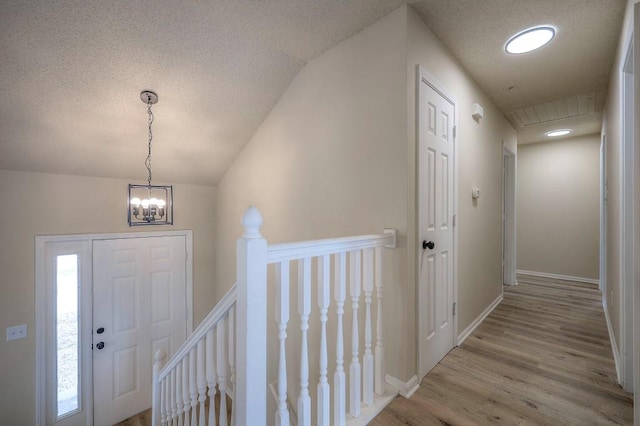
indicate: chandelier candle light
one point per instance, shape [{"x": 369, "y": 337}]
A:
[{"x": 150, "y": 204}]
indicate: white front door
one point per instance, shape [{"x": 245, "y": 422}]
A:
[
  {"x": 436, "y": 117},
  {"x": 139, "y": 306}
]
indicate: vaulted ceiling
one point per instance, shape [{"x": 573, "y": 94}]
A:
[{"x": 71, "y": 72}]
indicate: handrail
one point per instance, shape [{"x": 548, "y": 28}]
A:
[
  {"x": 201, "y": 330},
  {"x": 303, "y": 249},
  {"x": 222, "y": 351}
]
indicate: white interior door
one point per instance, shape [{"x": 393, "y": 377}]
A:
[
  {"x": 436, "y": 116},
  {"x": 139, "y": 306}
]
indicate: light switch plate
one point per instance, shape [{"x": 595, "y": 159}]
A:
[{"x": 17, "y": 332}]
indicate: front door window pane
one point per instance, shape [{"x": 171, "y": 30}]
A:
[{"x": 67, "y": 334}]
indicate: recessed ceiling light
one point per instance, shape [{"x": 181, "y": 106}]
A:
[
  {"x": 530, "y": 39},
  {"x": 559, "y": 132}
]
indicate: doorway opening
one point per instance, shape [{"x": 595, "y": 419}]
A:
[
  {"x": 508, "y": 216},
  {"x": 603, "y": 216}
]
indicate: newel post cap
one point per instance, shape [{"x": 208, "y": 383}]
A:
[
  {"x": 160, "y": 355},
  {"x": 252, "y": 221}
]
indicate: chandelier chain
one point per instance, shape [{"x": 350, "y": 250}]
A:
[{"x": 147, "y": 162}]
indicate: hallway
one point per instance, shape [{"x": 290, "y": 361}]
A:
[{"x": 543, "y": 356}]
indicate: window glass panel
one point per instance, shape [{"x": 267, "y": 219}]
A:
[{"x": 67, "y": 334}]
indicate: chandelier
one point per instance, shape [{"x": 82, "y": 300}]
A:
[{"x": 150, "y": 204}]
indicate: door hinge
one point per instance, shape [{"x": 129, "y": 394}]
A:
[
  {"x": 454, "y": 220},
  {"x": 455, "y": 131},
  {"x": 454, "y": 308}
]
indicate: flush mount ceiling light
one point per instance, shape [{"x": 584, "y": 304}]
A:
[
  {"x": 150, "y": 204},
  {"x": 530, "y": 39},
  {"x": 559, "y": 132}
]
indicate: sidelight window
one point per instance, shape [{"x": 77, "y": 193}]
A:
[{"x": 67, "y": 335}]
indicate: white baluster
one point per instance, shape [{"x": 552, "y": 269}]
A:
[
  {"x": 379, "y": 352},
  {"x": 354, "y": 367},
  {"x": 166, "y": 411},
  {"x": 304, "y": 309},
  {"x": 212, "y": 375},
  {"x": 367, "y": 359},
  {"x": 282, "y": 318},
  {"x": 158, "y": 361},
  {"x": 174, "y": 405},
  {"x": 202, "y": 380},
  {"x": 162, "y": 406},
  {"x": 324, "y": 298},
  {"x": 222, "y": 372},
  {"x": 232, "y": 358},
  {"x": 193, "y": 387},
  {"x": 185, "y": 390},
  {"x": 339, "y": 380},
  {"x": 250, "y": 405},
  {"x": 178, "y": 385}
]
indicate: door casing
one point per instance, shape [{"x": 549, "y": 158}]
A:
[
  {"x": 41, "y": 303},
  {"x": 629, "y": 226}
]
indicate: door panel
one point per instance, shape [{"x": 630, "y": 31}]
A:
[
  {"x": 435, "y": 192},
  {"x": 139, "y": 300}
]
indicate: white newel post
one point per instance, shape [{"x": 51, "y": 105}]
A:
[
  {"x": 158, "y": 361},
  {"x": 250, "y": 405}
]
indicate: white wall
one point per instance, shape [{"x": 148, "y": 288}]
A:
[
  {"x": 46, "y": 204},
  {"x": 336, "y": 156},
  {"x": 330, "y": 160},
  {"x": 480, "y": 165},
  {"x": 558, "y": 204},
  {"x": 611, "y": 128}
]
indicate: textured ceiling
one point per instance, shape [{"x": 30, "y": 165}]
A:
[
  {"x": 71, "y": 72},
  {"x": 577, "y": 62}
]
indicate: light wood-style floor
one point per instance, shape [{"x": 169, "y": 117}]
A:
[{"x": 543, "y": 356}]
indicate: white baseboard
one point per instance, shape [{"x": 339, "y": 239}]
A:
[
  {"x": 368, "y": 413},
  {"x": 612, "y": 338},
  {"x": 405, "y": 389},
  {"x": 467, "y": 331},
  {"x": 559, "y": 277}
]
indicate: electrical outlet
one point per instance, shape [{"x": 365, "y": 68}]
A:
[{"x": 17, "y": 332}]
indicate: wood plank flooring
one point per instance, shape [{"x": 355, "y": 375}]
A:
[{"x": 543, "y": 356}]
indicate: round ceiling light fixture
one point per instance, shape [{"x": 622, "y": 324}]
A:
[
  {"x": 530, "y": 39},
  {"x": 559, "y": 132}
]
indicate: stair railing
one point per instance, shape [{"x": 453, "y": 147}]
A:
[
  {"x": 198, "y": 373},
  {"x": 227, "y": 353}
]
